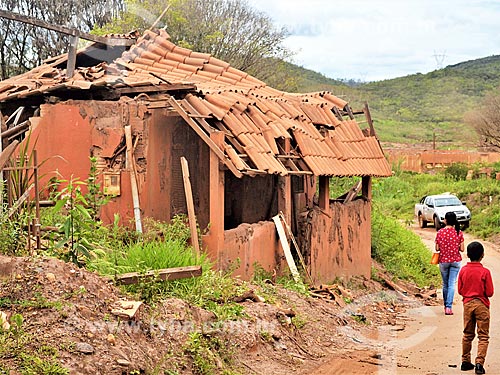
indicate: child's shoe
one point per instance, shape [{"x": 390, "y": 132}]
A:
[
  {"x": 466, "y": 366},
  {"x": 479, "y": 369}
]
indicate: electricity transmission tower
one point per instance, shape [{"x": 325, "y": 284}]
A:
[{"x": 439, "y": 57}]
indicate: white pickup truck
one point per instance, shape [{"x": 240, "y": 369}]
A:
[{"x": 432, "y": 208}]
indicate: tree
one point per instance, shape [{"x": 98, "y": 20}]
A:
[
  {"x": 24, "y": 46},
  {"x": 228, "y": 29},
  {"x": 486, "y": 121}
]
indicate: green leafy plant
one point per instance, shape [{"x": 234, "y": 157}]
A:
[
  {"x": 78, "y": 225},
  {"x": 94, "y": 197}
]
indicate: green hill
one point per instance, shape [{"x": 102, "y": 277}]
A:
[{"x": 415, "y": 108}]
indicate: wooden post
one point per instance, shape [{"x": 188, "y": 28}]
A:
[
  {"x": 367, "y": 187},
  {"x": 36, "y": 228},
  {"x": 324, "y": 192},
  {"x": 71, "y": 63},
  {"x": 133, "y": 179},
  {"x": 368, "y": 116},
  {"x": 216, "y": 233},
  {"x": 190, "y": 205},
  {"x": 285, "y": 191}
]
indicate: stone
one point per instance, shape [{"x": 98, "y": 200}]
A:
[
  {"x": 4, "y": 322},
  {"x": 84, "y": 348},
  {"x": 123, "y": 362},
  {"x": 111, "y": 339},
  {"x": 50, "y": 277}
]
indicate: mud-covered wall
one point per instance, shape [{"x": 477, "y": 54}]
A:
[
  {"x": 61, "y": 136},
  {"x": 339, "y": 240},
  {"x": 68, "y": 133},
  {"x": 251, "y": 244},
  {"x": 425, "y": 160},
  {"x": 186, "y": 143}
]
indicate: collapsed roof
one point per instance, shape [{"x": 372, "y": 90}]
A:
[{"x": 213, "y": 96}]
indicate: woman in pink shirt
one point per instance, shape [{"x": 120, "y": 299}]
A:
[{"x": 449, "y": 245}]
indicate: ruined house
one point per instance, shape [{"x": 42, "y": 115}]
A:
[{"x": 253, "y": 151}]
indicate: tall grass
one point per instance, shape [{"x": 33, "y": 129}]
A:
[
  {"x": 144, "y": 256},
  {"x": 401, "y": 251},
  {"x": 167, "y": 246}
]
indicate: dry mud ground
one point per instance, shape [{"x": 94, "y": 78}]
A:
[{"x": 381, "y": 332}]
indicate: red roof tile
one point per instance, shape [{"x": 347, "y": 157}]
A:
[{"x": 255, "y": 114}]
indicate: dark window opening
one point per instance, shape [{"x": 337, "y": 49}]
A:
[
  {"x": 297, "y": 184},
  {"x": 249, "y": 199}
]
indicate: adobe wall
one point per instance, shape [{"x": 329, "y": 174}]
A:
[
  {"x": 251, "y": 243},
  {"x": 66, "y": 134},
  {"x": 340, "y": 243},
  {"x": 424, "y": 160}
]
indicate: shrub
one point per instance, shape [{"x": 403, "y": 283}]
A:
[{"x": 457, "y": 171}]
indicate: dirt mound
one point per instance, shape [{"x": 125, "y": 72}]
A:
[{"x": 68, "y": 317}]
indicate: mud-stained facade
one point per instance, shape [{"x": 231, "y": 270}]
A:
[
  {"x": 422, "y": 161},
  {"x": 253, "y": 152}
]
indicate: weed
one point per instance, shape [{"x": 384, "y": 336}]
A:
[
  {"x": 33, "y": 365},
  {"x": 266, "y": 336},
  {"x": 299, "y": 321},
  {"x": 14, "y": 345},
  {"x": 360, "y": 318},
  {"x": 290, "y": 284},
  {"x": 209, "y": 354},
  {"x": 38, "y": 302}
]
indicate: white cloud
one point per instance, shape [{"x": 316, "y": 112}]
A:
[{"x": 377, "y": 39}]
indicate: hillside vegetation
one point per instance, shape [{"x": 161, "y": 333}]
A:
[{"x": 419, "y": 107}]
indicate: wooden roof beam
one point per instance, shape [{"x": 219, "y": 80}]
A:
[{"x": 109, "y": 41}]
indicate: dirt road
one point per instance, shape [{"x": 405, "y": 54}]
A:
[
  {"x": 440, "y": 350},
  {"x": 430, "y": 343}
]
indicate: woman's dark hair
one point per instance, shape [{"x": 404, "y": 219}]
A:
[{"x": 451, "y": 219}]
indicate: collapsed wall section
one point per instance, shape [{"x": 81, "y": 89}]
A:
[{"x": 249, "y": 246}]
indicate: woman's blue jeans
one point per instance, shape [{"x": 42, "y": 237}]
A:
[{"x": 449, "y": 274}]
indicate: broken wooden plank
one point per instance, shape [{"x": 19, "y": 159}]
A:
[
  {"x": 16, "y": 130},
  {"x": 110, "y": 41},
  {"x": 133, "y": 179},
  {"x": 71, "y": 62},
  {"x": 20, "y": 201},
  {"x": 353, "y": 192},
  {"x": 366, "y": 111},
  {"x": 211, "y": 144},
  {"x": 190, "y": 206},
  {"x": 158, "y": 275},
  {"x": 15, "y": 115},
  {"x": 7, "y": 153},
  {"x": 286, "y": 249},
  {"x": 154, "y": 88},
  {"x": 297, "y": 249}
]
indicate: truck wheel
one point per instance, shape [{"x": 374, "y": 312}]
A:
[
  {"x": 437, "y": 224},
  {"x": 421, "y": 222},
  {"x": 465, "y": 225}
]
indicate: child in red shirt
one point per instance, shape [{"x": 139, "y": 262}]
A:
[{"x": 475, "y": 286}]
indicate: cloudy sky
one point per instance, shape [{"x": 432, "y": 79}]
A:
[{"x": 379, "y": 39}]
